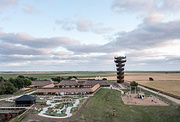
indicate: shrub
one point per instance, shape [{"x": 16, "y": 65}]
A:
[
  {"x": 151, "y": 79},
  {"x": 104, "y": 79}
]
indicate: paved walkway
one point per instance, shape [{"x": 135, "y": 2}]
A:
[
  {"x": 160, "y": 94},
  {"x": 14, "y": 97},
  {"x": 122, "y": 87},
  {"x": 122, "y": 92},
  {"x": 68, "y": 110}
]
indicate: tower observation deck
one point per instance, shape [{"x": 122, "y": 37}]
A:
[{"x": 120, "y": 63}]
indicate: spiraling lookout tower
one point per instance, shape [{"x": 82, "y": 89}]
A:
[{"x": 120, "y": 63}]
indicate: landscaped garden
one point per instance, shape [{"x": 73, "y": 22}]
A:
[{"x": 60, "y": 106}]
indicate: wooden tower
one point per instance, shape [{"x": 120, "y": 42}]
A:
[{"x": 120, "y": 63}]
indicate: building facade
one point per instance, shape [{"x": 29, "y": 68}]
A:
[{"x": 73, "y": 87}]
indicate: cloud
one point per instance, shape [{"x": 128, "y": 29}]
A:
[
  {"x": 146, "y": 6},
  {"x": 154, "y": 18},
  {"x": 170, "y": 5},
  {"x": 83, "y": 25},
  {"x": 146, "y": 35},
  {"x": 9, "y": 49},
  {"x": 66, "y": 24},
  {"x": 30, "y": 9},
  {"x": 27, "y": 40},
  {"x": 5, "y": 4},
  {"x": 133, "y": 5}
]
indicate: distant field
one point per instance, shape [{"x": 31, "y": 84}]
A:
[
  {"x": 166, "y": 82},
  {"x": 102, "y": 104},
  {"x": 49, "y": 75}
]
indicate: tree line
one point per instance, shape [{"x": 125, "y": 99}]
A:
[
  {"x": 59, "y": 79},
  {"x": 14, "y": 84}
]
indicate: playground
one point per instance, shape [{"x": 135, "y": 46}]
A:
[{"x": 141, "y": 99}]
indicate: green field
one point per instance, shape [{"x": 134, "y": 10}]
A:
[
  {"x": 49, "y": 75},
  {"x": 102, "y": 104}
]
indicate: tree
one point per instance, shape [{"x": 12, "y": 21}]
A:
[
  {"x": 58, "y": 79},
  {"x": 151, "y": 79},
  {"x": 2, "y": 87},
  {"x": 27, "y": 82},
  {"x": 70, "y": 77},
  {"x": 133, "y": 84},
  {"x": 10, "y": 89},
  {"x": 20, "y": 83},
  {"x": 32, "y": 78},
  {"x": 104, "y": 79},
  {"x": 21, "y": 76},
  {"x": 1, "y": 79}
]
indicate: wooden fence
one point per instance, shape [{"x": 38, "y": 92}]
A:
[{"x": 21, "y": 116}]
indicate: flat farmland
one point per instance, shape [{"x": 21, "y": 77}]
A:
[
  {"x": 49, "y": 75},
  {"x": 166, "y": 82}
]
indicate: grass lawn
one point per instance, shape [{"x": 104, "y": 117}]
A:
[
  {"x": 58, "y": 115},
  {"x": 74, "y": 109},
  {"x": 102, "y": 104}
]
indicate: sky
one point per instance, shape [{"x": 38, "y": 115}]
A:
[{"x": 86, "y": 35}]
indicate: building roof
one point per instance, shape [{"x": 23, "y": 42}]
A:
[
  {"x": 25, "y": 98},
  {"x": 49, "y": 86},
  {"x": 84, "y": 82},
  {"x": 68, "y": 83},
  {"x": 41, "y": 83},
  {"x": 93, "y": 82},
  {"x": 55, "y": 90}
]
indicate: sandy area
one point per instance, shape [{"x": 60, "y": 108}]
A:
[{"x": 131, "y": 99}]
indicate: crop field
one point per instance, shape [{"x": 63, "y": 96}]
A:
[
  {"x": 166, "y": 82},
  {"x": 102, "y": 104}
]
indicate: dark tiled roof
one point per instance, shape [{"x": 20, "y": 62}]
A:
[
  {"x": 25, "y": 98},
  {"x": 41, "y": 82}
]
